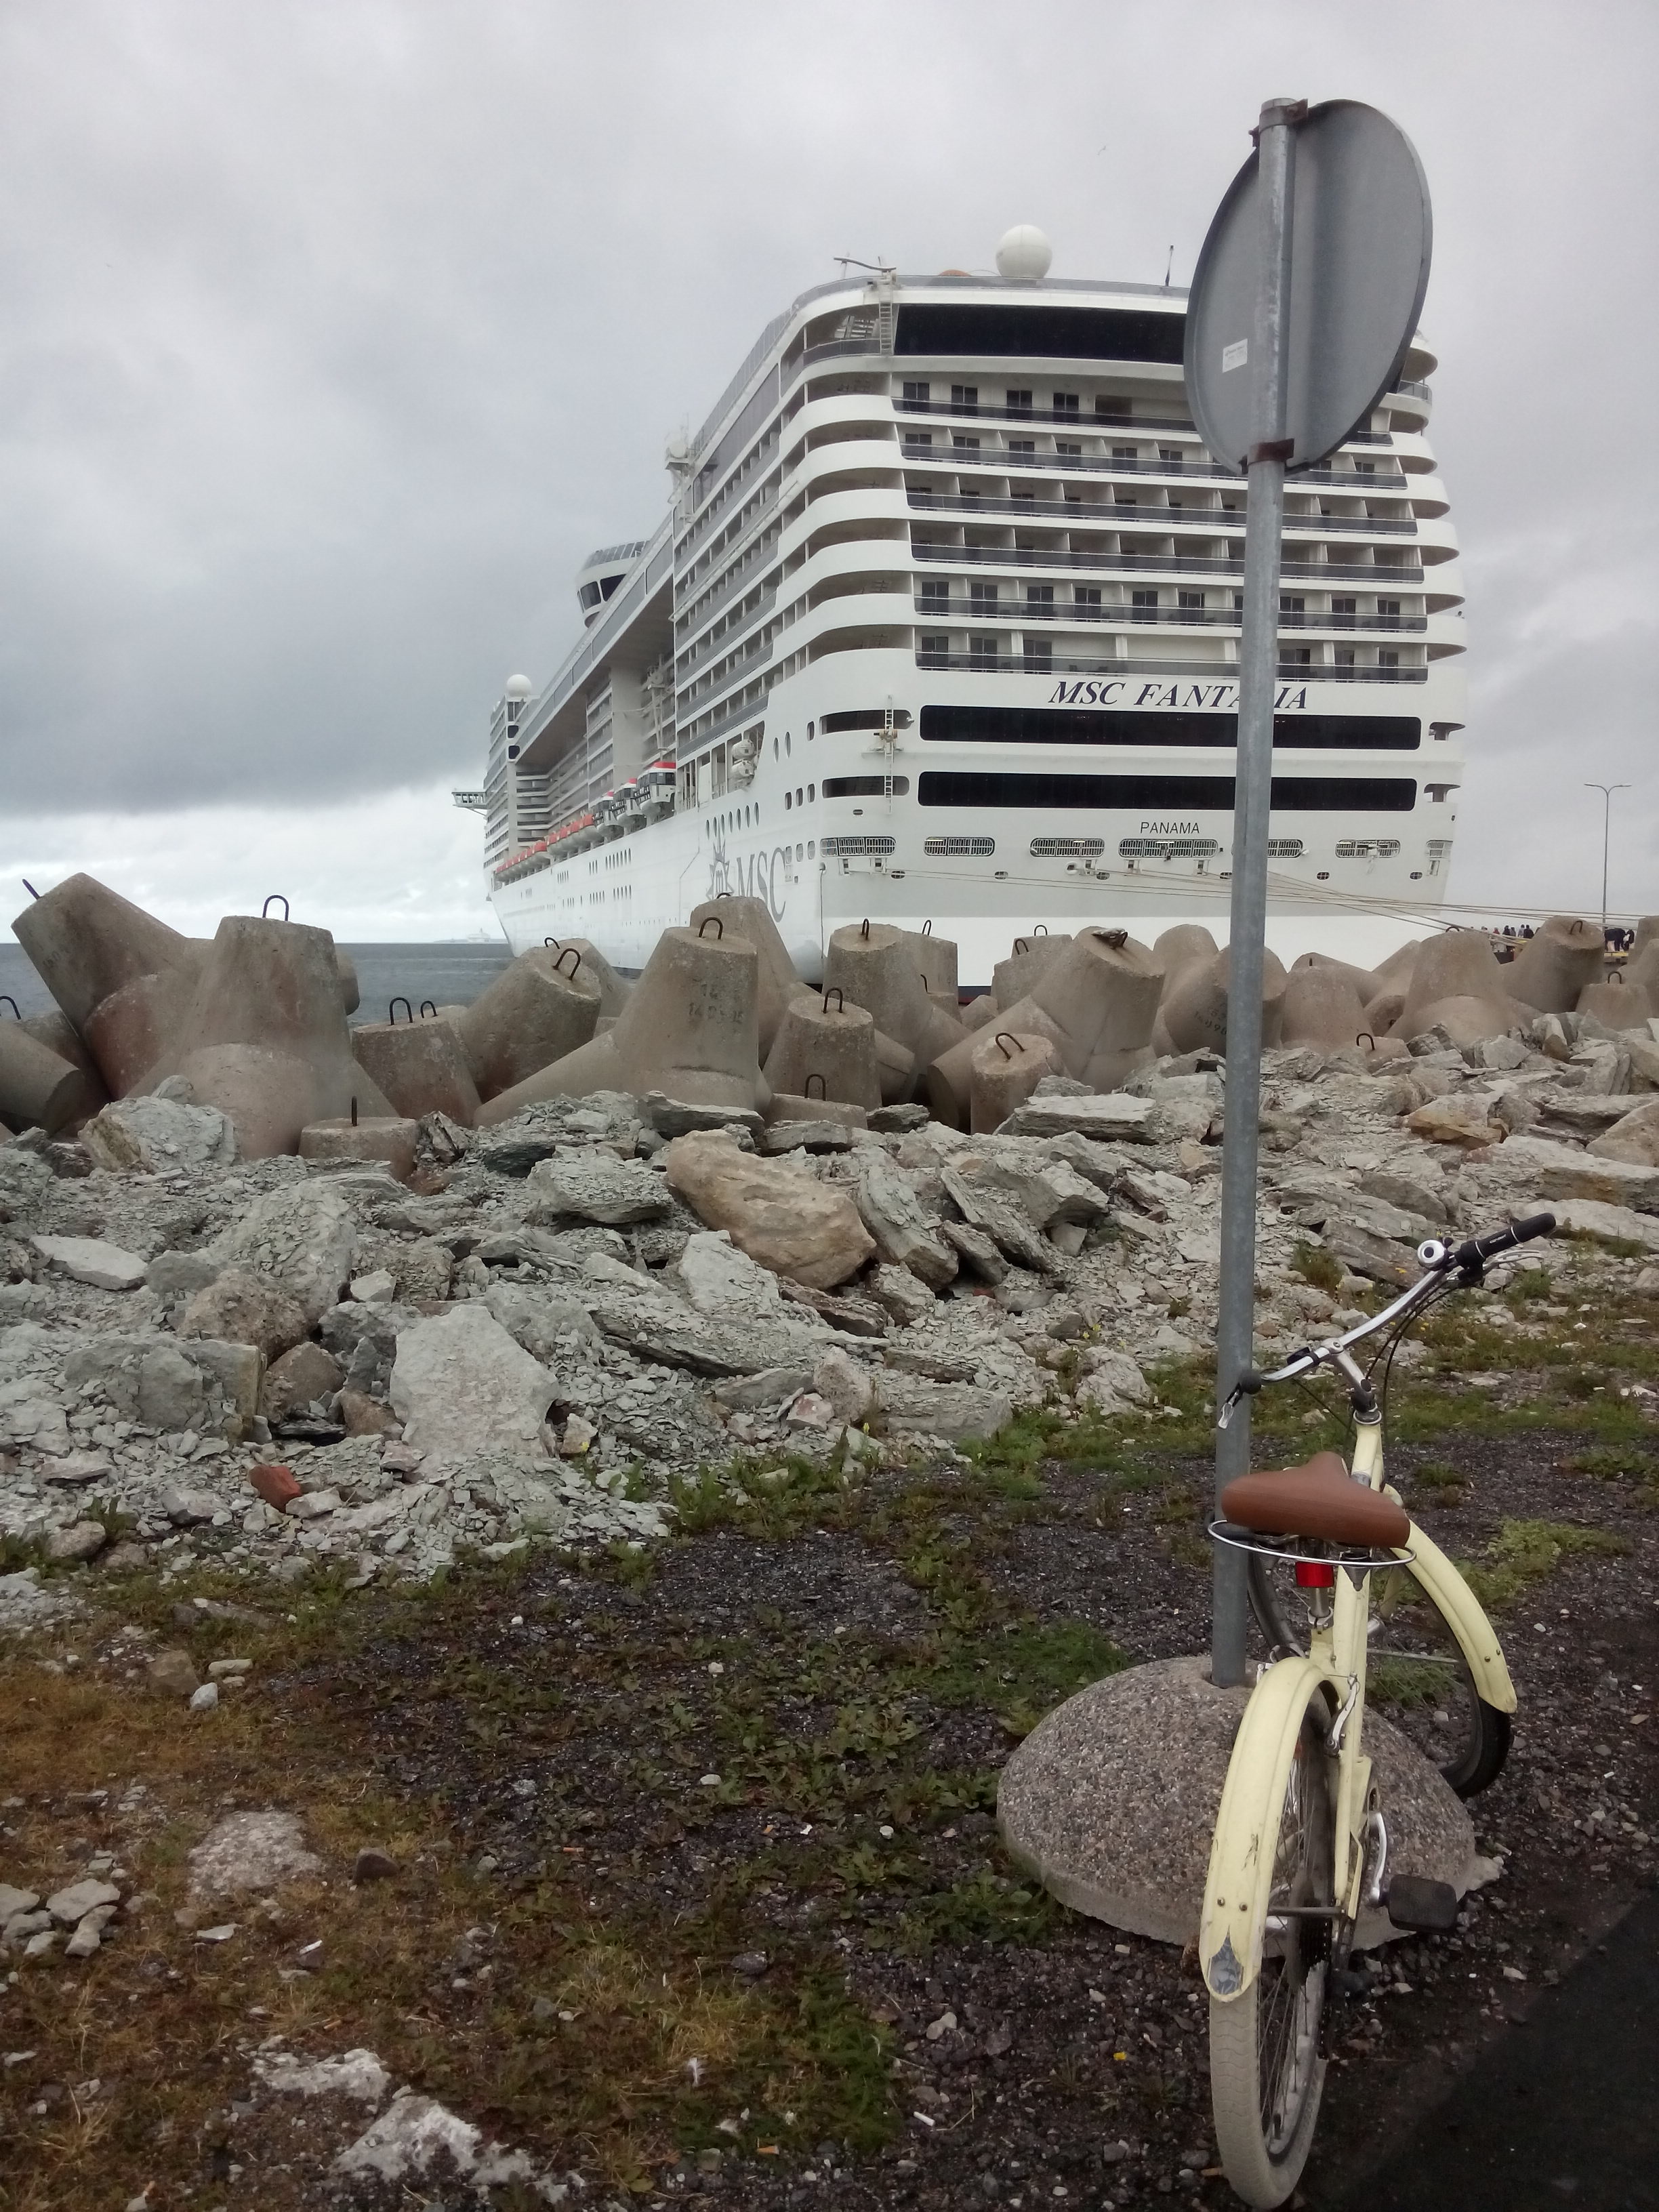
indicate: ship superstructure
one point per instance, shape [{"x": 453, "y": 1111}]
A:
[{"x": 943, "y": 623}]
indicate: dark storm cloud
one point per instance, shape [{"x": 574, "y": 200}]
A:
[{"x": 336, "y": 334}]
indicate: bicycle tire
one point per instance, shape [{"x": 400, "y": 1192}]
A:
[
  {"x": 1472, "y": 1745},
  {"x": 1266, "y": 2062}
]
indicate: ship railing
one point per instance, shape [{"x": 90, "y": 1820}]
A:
[
  {"x": 1359, "y": 483},
  {"x": 1162, "y": 565},
  {"x": 1127, "y": 516},
  {"x": 1028, "y": 610},
  {"x": 694, "y": 656},
  {"x": 1412, "y": 388},
  {"x": 1216, "y": 671},
  {"x": 1098, "y": 420}
]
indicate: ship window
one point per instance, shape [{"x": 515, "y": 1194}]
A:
[
  {"x": 813, "y": 791},
  {"x": 811, "y": 847},
  {"x": 865, "y": 786},
  {"x": 982, "y": 651},
  {"x": 1066, "y": 403},
  {"x": 774, "y": 748},
  {"x": 1039, "y": 597},
  {"x": 961, "y": 443},
  {"x": 1039, "y": 654},
  {"x": 1289, "y": 605},
  {"x": 983, "y": 596},
  {"x": 1388, "y": 656},
  {"x": 1143, "y": 598},
  {"x": 1171, "y": 456},
  {"x": 800, "y": 852},
  {"x": 1021, "y": 448},
  {"x": 1086, "y": 725},
  {"x": 1085, "y": 595},
  {"x": 1388, "y": 606},
  {"x": 1345, "y": 606},
  {"x": 1344, "y": 656},
  {"x": 916, "y": 394},
  {"x": 788, "y": 801},
  {"x": 800, "y": 798},
  {"x": 1182, "y": 794},
  {"x": 1113, "y": 406},
  {"x": 934, "y": 652},
  {"x": 1019, "y": 402},
  {"x": 1126, "y": 452},
  {"x": 811, "y": 731},
  {"x": 1295, "y": 656},
  {"x": 964, "y": 397},
  {"x": 1192, "y": 601},
  {"x": 787, "y": 748},
  {"x": 935, "y": 594}
]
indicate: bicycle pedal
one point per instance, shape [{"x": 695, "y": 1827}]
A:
[{"x": 1429, "y": 1908}]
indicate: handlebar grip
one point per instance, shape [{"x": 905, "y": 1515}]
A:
[
  {"x": 1479, "y": 1249},
  {"x": 1251, "y": 1381}
]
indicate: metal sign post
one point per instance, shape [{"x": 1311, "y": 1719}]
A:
[
  {"x": 1304, "y": 305},
  {"x": 1258, "y": 680}
]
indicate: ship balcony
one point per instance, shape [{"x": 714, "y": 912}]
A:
[
  {"x": 1117, "y": 421},
  {"x": 1390, "y": 482},
  {"x": 1037, "y": 657},
  {"x": 1353, "y": 574},
  {"x": 931, "y": 607},
  {"x": 1127, "y": 515}
]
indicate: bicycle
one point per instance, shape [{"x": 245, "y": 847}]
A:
[{"x": 1301, "y": 1842}]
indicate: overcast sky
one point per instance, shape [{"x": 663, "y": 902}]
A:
[{"x": 336, "y": 332}]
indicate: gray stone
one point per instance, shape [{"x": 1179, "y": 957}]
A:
[
  {"x": 905, "y": 1235},
  {"x": 204, "y": 1699},
  {"x": 79, "y": 1467},
  {"x": 596, "y": 1187},
  {"x": 88, "y": 1932},
  {"x": 768, "y": 1386},
  {"x": 377, "y": 1288},
  {"x": 1589, "y": 1216},
  {"x": 313, "y": 1505},
  {"x": 13, "y": 1901},
  {"x": 154, "y": 1133},
  {"x": 956, "y": 1411},
  {"x": 1002, "y": 1220},
  {"x": 69, "y": 1905},
  {"x": 678, "y": 1117},
  {"x": 1379, "y": 1258},
  {"x": 460, "y": 1386},
  {"x": 1109, "y": 1115},
  {"x": 1047, "y": 1185},
  {"x": 845, "y": 1386},
  {"x": 172, "y": 1274},
  {"x": 1531, "y": 1169},
  {"x": 717, "y": 1279},
  {"x": 302, "y": 1376},
  {"x": 247, "y": 1851},
  {"x": 899, "y": 1293},
  {"x": 777, "y": 1213},
  {"x": 979, "y": 1253},
  {"x": 81, "y": 1540},
  {"x": 172, "y": 1673},
  {"x": 89, "y": 1260},
  {"x": 301, "y": 1234},
  {"x": 242, "y": 1306},
  {"x": 1111, "y": 1801},
  {"x": 805, "y": 1137},
  {"x": 1112, "y": 1379},
  {"x": 186, "y": 1508},
  {"x": 536, "y": 1319}
]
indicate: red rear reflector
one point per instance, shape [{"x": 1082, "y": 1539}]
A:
[{"x": 1315, "y": 1574}]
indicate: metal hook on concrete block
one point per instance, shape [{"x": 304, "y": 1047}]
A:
[
  {"x": 264, "y": 911},
  {"x": 553, "y": 941},
  {"x": 1115, "y": 940},
  {"x": 392, "y": 1005},
  {"x": 703, "y": 926},
  {"x": 571, "y": 953},
  {"x": 30, "y": 889},
  {"x": 823, "y": 1090},
  {"x": 864, "y": 930},
  {"x": 1039, "y": 929},
  {"x": 428, "y": 1009},
  {"x": 836, "y": 993},
  {"x": 1366, "y": 1037},
  {"x": 6, "y": 999},
  {"x": 354, "y": 1110},
  {"x": 1022, "y": 944},
  {"x": 926, "y": 928},
  {"x": 1003, "y": 1039}
]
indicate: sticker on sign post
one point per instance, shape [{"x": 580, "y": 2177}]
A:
[{"x": 1235, "y": 355}]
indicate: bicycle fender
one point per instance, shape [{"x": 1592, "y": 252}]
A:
[
  {"x": 1462, "y": 1611},
  {"x": 1240, "y": 1878}
]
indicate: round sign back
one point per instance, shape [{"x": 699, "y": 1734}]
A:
[{"x": 1361, "y": 235}]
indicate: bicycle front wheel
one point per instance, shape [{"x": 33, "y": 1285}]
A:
[
  {"x": 1416, "y": 1674},
  {"x": 1266, "y": 2064}
]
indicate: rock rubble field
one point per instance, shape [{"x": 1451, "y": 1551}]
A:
[
  {"x": 527, "y": 1537},
  {"x": 279, "y": 1341}
]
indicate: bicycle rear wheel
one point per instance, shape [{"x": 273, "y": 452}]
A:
[
  {"x": 1416, "y": 1674},
  {"x": 1266, "y": 2066}
]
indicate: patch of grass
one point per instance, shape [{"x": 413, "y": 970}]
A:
[
  {"x": 1438, "y": 1475},
  {"x": 1609, "y": 1461},
  {"x": 985, "y": 1908},
  {"x": 1526, "y": 1552},
  {"x": 1531, "y": 1287},
  {"x": 1316, "y": 1266},
  {"x": 1178, "y": 1309}
]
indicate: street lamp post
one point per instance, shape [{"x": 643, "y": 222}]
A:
[{"x": 1607, "y": 790}]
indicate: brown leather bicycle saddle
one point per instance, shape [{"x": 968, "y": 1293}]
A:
[{"x": 1321, "y": 1499}]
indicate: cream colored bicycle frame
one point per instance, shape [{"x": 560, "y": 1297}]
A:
[{"x": 1236, "y": 1890}]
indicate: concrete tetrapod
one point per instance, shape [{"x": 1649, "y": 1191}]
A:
[
  {"x": 1014, "y": 978},
  {"x": 40, "y": 1090},
  {"x": 875, "y": 966},
  {"x": 263, "y": 1037},
  {"x": 86, "y": 941},
  {"x": 827, "y": 1040},
  {"x": 134, "y": 1027},
  {"x": 1096, "y": 1002},
  {"x": 691, "y": 1030},
  {"x": 1620, "y": 1003},
  {"x": 538, "y": 1009},
  {"x": 612, "y": 988},
  {"x": 1551, "y": 968},
  {"x": 1182, "y": 946},
  {"x": 1321, "y": 1007},
  {"x": 389, "y": 1139},
  {"x": 421, "y": 1067},
  {"x": 777, "y": 982},
  {"x": 59, "y": 1034},
  {"x": 1003, "y": 1070},
  {"x": 1194, "y": 1008},
  {"x": 1365, "y": 980},
  {"x": 1458, "y": 965},
  {"x": 937, "y": 959}
]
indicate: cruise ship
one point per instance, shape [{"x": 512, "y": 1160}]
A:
[{"x": 941, "y": 626}]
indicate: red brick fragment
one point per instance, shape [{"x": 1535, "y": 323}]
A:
[{"x": 276, "y": 1485}]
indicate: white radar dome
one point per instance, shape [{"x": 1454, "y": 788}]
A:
[
  {"x": 1024, "y": 252},
  {"x": 518, "y": 687}
]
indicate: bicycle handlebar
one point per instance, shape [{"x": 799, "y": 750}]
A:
[{"x": 1438, "y": 1260}]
